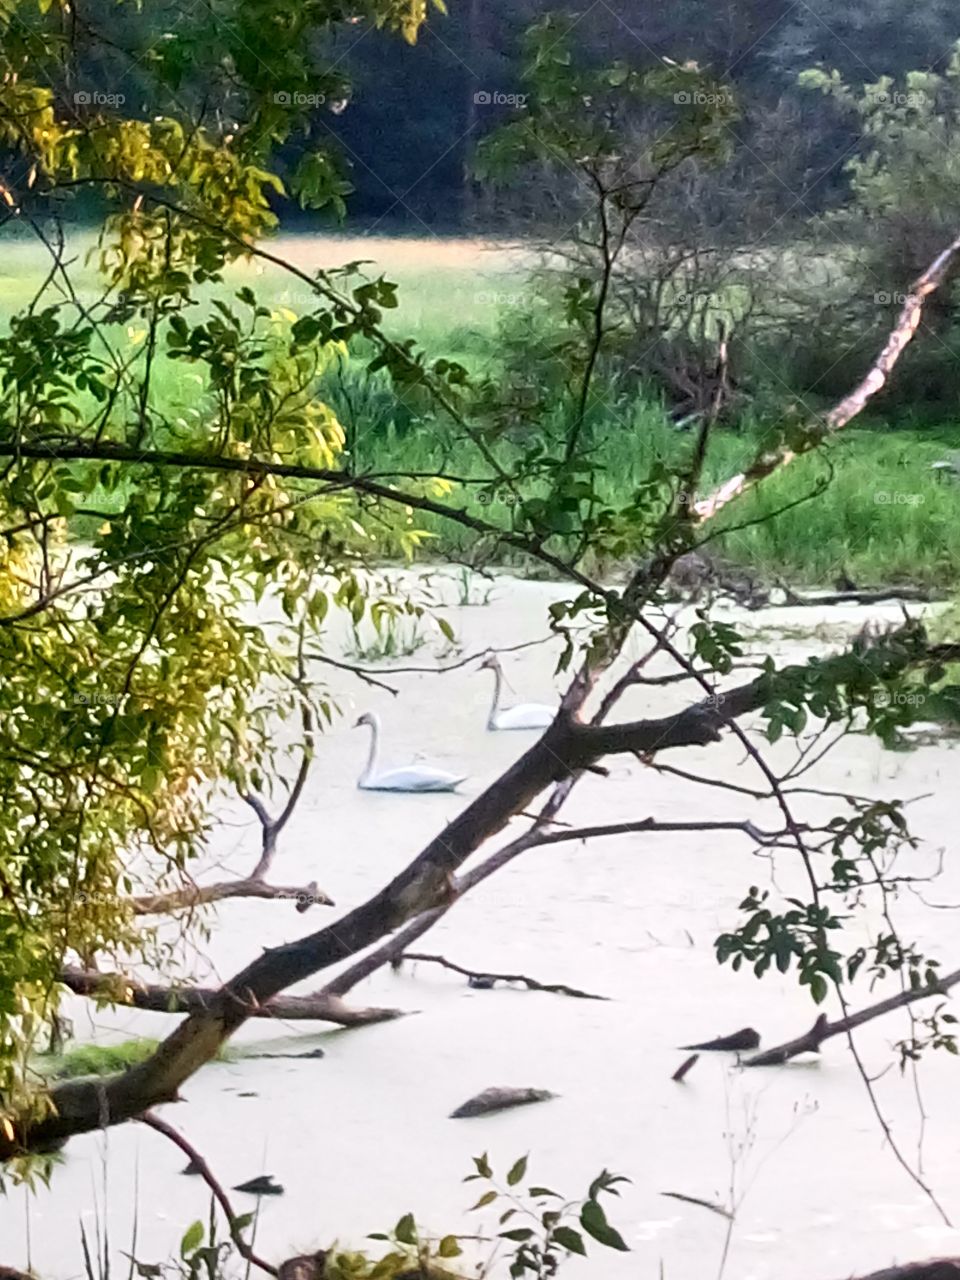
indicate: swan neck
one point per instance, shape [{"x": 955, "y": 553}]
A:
[
  {"x": 495, "y": 705},
  {"x": 371, "y": 765}
]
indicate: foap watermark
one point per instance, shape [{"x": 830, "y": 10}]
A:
[
  {"x": 898, "y": 498},
  {"x": 98, "y": 699},
  {"x": 284, "y": 98},
  {"x": 700, "y": 98},
  {"x": 899, "y": 698},
  {"x": 885, "y": 299},
  {"x": 497, "y": 98},
  {"x": 914, "y": 98},
  {"x": 488, "y": 298},
  {"x": 94, "y": 98},
  {"x": 498, "y": 497}
]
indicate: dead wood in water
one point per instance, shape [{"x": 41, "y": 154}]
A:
[
  {"x": 485, "y": 978},
  {"x": 121, "y": 989},
  {"x": 682, "y": 1070},
  {"x": 824, "y": 1029},
  {"x": 494, "y": 1099},
  {"x": 934, "y": 1269},
  {"x": 917, "y": 595},
  {"x": 745, "y": 1038}
]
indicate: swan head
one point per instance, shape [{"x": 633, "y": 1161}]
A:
[
  {"x": 490, "y": 663},
  {"x": 368, "y": 717}
]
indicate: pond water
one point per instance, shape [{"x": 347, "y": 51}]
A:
[{"x": 363, "y": 1135}]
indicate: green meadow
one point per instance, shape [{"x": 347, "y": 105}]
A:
[{"x": 871, "y": 507}]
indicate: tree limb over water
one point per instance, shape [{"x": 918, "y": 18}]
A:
[{"x": 569, "y": 746}]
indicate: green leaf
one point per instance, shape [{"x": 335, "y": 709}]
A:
[
  {"x": 192, "y": 1239},
  {"x": 517, "y": 1233},
  {"x": 488, "y": 1197},
  {"x": 518, "y": 1172},
  {"x": 483, "y": 1166},
  {"x": 818, "y": 987},
  {"x": 449, "y": 1247},
  {"x": 406, "y": 1229},
  {"x": 594, "y": 1222},
  {"x": 569, "y": 1239}
]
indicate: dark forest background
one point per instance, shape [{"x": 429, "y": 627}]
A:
[{"x": 409, "y": 119}]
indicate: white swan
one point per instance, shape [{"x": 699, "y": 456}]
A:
[
  {"x": 526, "y": 715},
  {"x": 415, "y": 777}
]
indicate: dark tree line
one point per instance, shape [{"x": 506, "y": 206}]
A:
[
  {"x": 415, "y": 113},
  {"x": 407, "y": 120}
]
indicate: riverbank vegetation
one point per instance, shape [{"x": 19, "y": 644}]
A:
[{"x": 201, "y": 476}]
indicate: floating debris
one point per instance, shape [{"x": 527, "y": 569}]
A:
[
  {"x": 494, "y": 1099},
  {"x": 745, "y": 1038},
  {"x": 683, "y": 1068},
  {"x": 265, "y": 1185}
]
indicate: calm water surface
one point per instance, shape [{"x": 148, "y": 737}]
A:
[{"x": 362, "y": 1136}]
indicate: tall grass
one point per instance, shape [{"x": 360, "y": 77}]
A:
[
  {"x": 883, "y": 516},
  {"x": 869, "y": 507}
]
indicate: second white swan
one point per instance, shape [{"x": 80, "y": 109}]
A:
[
  {"x": 526, "y": 715},
  {"x": 415, "y": 777}
]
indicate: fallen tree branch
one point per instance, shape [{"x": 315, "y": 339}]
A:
[
  {"x": 253, "y": 886},
  {"x": 120, "y": 989},
  {"x": 654, "y": 825},
  {"x": 851, "y": 405},
  {"x": 824, "y": 1029},
  {"x": 427, "y": 883},
  {"x": 918, "y": 595},
  {"x": 557, "y": 988},
  {"x": 203, "y": 1169},
  {"x": 196, "y": 895}
]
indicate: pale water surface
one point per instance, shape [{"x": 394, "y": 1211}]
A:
[{"x": 362, "y": 1136}]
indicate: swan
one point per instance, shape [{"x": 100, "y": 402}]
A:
[
  {"x": 526, "y": 715},
  {"x": 416, "y": 777}
]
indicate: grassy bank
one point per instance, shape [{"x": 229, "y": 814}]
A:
[{"x": 884, "y": 516}]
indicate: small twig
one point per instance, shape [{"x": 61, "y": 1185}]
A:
[
  {"x": 205, "y": 1172},
  {"x": 703, "y": 1204},
  {"x": 678, "y": 1075},
  {"x": 367, "y": 673}
]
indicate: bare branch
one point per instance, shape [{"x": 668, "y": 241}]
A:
[
  {"x": 823, "y": 1029},
  {"x": 851, "y": 405},
  {"x": 205, "y": 1172},
  {"x": 487, "y": 978},
  {"x": 121, "y": 989},
  {"x": 305, "y": 895}
]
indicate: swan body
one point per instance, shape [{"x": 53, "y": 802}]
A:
[
  {"x": 415, "y": 777},
  {"x": 526, "y": 715}
]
